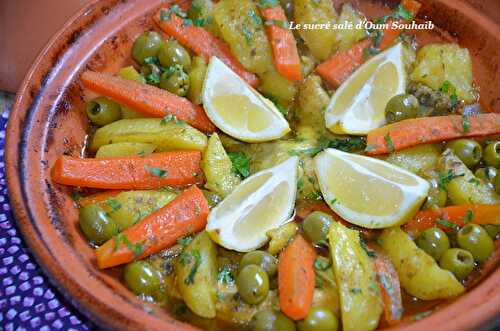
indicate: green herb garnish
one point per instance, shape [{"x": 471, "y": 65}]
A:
[
  {"x": 156, "y": 171},
  {"x": 402, "y": 13},
  {"x": 355, "y": 290},
  {"x": 114, "y": 204},
  {"x": 465, "y": 123},
  {"x": 388, "y": 143},
  {"x": 444, "y": 179},
  {"x": 225, "y": 275},
  {"x": 418, "y": 317},
  {"x": 447, "y": 224},
  {"x": 184, "y": 241},
  {"x": 256, "y": 18},
  {"x": 137, "y": 249},
  {"x": 241, "y": 163},
  {"x": 197, "y": 261},
  {"x": 469, "y": 215},
  {"x": 268, "y": 3},
  {"x": 321, "y": 263}
]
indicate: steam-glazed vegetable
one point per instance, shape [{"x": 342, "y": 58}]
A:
[
  {"x": 196, "y": 271},
  {"x": 319, "y": 41},
  {"x": 419, "y": 274},
  {"x": 124, "y": 149},
  {"x": 196, "y": 79}
]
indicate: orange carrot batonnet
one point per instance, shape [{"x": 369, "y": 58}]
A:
[
  {"x": 201, "y": 42},
  {"x": 285, "y": 53},
  {"x": 390, "y": 289},
  {"x": 98, "y": 197},
  {"x": 453, "y": 215},
  {"x": 184, "y": 215},
  {"x": 147, "y": 99},
  {"x": 425, "y": 130},
  {"x": 296, "y": 278},
  {"x": 340, "y": 66},
  {"x": 176, "y": 168}
]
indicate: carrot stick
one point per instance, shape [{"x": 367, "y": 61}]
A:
[
  {"x": 98, "y": 197},
  {"x": 296, "y": 278},
  {"x": 176, "y": 168},
  {"x": 458, "y": 215},
  {"x": 412, "y": 6},
  {"x": 147, "y": 99},
  {"x": 425, "y": 130},
  {"x": 285, "y": 54},
  {"x": 390, "y": 34},
  {"x": 388, "y": 282},
  {"x": 340, "y": 66},
  {"x": 202, "y": 42},
  {"x": 186, "y": 214}
]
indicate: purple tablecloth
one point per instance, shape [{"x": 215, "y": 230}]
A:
[{"x": 27, "y": 299}]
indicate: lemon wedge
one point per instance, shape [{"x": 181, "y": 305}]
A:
[
  {"x": 368, "y": 192},
  {"x": 261, "y": 202},
  {"x": 358, "y": 105},
  {"x": 238, "y": 109}
]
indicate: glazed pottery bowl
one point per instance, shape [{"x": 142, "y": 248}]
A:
[{"x": 48, "y": 120}]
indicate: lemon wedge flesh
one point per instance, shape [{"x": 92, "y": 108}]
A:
[
  {"x": 238, "y": 109},
  {"x": 368, "y": 192},
  {"x": 261, "y": 202},
  {"x": 358, "y": 105}
]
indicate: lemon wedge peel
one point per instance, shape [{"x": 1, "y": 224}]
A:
[
  {"x": 404, "y": 191},
  {"x": 358, "y": 105},
  {"x": 238, "y": 224},
  {"x": 238, "y": 109}
]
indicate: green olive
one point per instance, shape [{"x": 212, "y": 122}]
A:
[
  {"x": 143, "y": 278},
  {"x": 102, "y": 111},
  {"x": 175, "y": 81},
  {"x": 253, "y": 284},
  {"x": 172, "y": 53},
  {"x": 262, "y": 259},
  {"x": 487, "y": 174},
  {"x": 401, "y": 107},
  {"x": 492, "y": 154},
  {"x": 152, "y": 73},
  {"x": 497, "y": 182},
  {"x": 146, "y": 45},
  {"x": 436, "y": 197},
  {"x": 319, "y": 319},
  {"x": 316, "y": 226},
  {"x": 270, "y": 320},
  {"x": 492, "y": 230},
  {"x": 212, "y": 198},
  {"x": 434, "y": 242},
  {"x": 95, "y": 225},
  {"x": 476, "y": 240},
  {"x": 467, "y": 150},
  {"x": 459, "y": 261}
]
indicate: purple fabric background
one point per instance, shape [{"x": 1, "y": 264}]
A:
[{"x": 27, "y": 299}]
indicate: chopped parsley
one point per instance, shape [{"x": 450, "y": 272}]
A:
[
  {"x": 402, "y": 13},
  {"x": 114, "y": 204},
  {"x": 225, "y": 275},
  {"x": 321, "y": 263},
  {"x": 165, "y": 14},
  {"x": 345, "y": 144},
  {"x": 465, "y": 123},
  {"x": 369, "y": 51},
  {"x": 141, "y": 153},
  {"x": 152, "y": 60},
  {"x": 194, "y": 257},
  {"x": 268, "y": 3},
  {"x": 376, "y": 36},
  {"x": 333, "y": 201},
  {"x": 447, "y": 224},
  {"x": 469, "y": 215},
  {"x": 280, "y": 23},
  {"x": 256, "y": 18},
  {"x": 368, "y": 251},
  {"x": 445, "y": 178},
  {"x": 184, "y": 241},
  {"x": 388, "y": 143},
  {"x": 241, "y": 163},
  {"x": 156, "y": 171},
  {"x": 153, "y": 79},
  {"x": 171, "y": 118},
  {"x": 450, "y": 90},
  {"x": 474, "y": 181},
  {"x": 137, "y": 249},
  {"x": 316, "y": 195},
  {"x": 355, "y": 290},
  {"x": 246, "y": 33},
  {"x": 300, "y": 184},
  {"x": 418, "y": 317}
]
